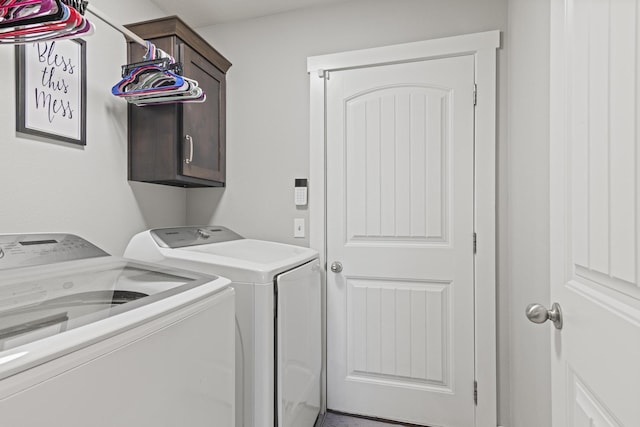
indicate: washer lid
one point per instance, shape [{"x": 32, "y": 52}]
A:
[
  {"x": 49, "y": 311},
  {"x": 41, "y": 302},
  {"x": 59, "y": 293}
]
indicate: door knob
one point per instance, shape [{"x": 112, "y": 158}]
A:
[
  {"x": 537, "y": 313},
  {"x": 336, "y": 266}
]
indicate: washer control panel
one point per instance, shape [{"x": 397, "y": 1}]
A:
[{"x": 24, "y": 250}]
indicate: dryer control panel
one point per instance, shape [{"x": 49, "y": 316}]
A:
[
  {"x": 25, "y": 250},
  {"x": 180, "y": 237}
]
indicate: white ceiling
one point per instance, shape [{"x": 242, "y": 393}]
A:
[{"x": 201, "y": 13}]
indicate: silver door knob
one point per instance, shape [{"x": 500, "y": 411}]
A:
[
  {"x": 537, "y": 313},
  {"x": 336, "y": 266}
]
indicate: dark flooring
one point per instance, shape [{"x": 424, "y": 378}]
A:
[{"x": 338, "y": 420}]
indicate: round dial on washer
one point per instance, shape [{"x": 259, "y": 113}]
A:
[{"x": 203, "y": 234}]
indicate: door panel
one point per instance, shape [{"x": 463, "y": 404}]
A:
[
  {"x": 399, "y": 330},
  {"x": 594, "y": 212},
  {"x": 389, "y": 201},
  {"x": 400, "y": 219},
  {"x": 588, "y": 411}
]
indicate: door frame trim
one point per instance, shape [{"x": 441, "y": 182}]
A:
[{"x": 483, "y": 46}]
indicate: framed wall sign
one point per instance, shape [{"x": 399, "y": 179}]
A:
[{"x": 51, "y": 90}]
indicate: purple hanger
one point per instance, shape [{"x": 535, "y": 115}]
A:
[{"x": 22, "y": 13}]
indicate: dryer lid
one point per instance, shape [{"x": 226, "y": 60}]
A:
[
  {"x": 246, "y": 260},
  {"x": 220, "y": 251}
]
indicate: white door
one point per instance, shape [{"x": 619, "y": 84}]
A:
[
  {"x": 595, "y": 212},
  {"x": 400, "y": 220}
]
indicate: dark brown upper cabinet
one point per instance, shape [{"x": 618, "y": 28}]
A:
[{"x": 180, "y": 144}]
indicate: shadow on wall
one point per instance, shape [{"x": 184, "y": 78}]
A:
[
  {"x": 202, "y": 204},
  {"x": 160, "y": 205},
  {"x": 117, "y": 120}
]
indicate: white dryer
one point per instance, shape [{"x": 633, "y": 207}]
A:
[
  {"x": 87, "y": 339},
  {"x": 278, "y": 312}
]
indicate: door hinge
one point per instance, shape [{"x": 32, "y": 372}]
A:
[
  {"x": 323, "y": 74},
  {"x": 475, "y": 392},
  {"x": 475, "y": 243},
  {"x": 475, "y": 94}
]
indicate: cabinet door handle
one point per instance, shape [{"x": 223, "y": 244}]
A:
[{"x": 189, "y": 159}]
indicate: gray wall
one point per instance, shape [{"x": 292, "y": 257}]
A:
[
  {"x": 268, "y": 96},
  {"x": 527, "y": 252},
  {"x": 49, "y": 186}
]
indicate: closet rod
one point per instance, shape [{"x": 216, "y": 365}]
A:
[{"x": 104, "y": 18}]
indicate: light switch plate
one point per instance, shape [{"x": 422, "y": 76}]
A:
[{"x": 298, "y": 227}]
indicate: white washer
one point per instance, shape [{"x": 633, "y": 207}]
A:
[
  {"x": 87, "y": 339},
  {"x": 278, "y": 341}
]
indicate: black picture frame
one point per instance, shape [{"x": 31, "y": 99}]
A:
[{"x": 51, "y": 90}]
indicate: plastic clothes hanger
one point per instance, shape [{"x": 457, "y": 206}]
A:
[
  {"x": 154, "y": 75},
  {"x": 154, "y": 53},
  {"x": 171, "y": 100},
  {"x": 21, "y": 16},
  {"x": 16, "y": 9},
  {"x": 153, "y": 82},
  {"x": 28, "y": 21},
  {"x": 192, "y": 93},
  {"x": 79, "y": 5},
  {"x": 147, "y": 79},
  {"x": 85, "y": 29},
  {"x": 73, "y": 24},
  {"x": 189, "y": 92},
  {"x": 62, "y": 19},
  {"x": 10, "y": 8},
  {"x": 70, "y": 21},
  {"x": 49, "y": 12}
]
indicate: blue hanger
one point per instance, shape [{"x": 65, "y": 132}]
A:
[{"x": 147, "y": 79}]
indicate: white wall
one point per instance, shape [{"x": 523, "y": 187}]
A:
[
  {"x": 49, "y": 186},
  {"x": 527, "y": 252},
  {"x": 268, "y": 96}
]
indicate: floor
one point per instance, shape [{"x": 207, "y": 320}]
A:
[{"x": 337, "y": 420}]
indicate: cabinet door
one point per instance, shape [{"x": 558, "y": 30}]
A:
[
  {"x": 153, "y": 131},
  {"x": 203, "y": 136}
]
